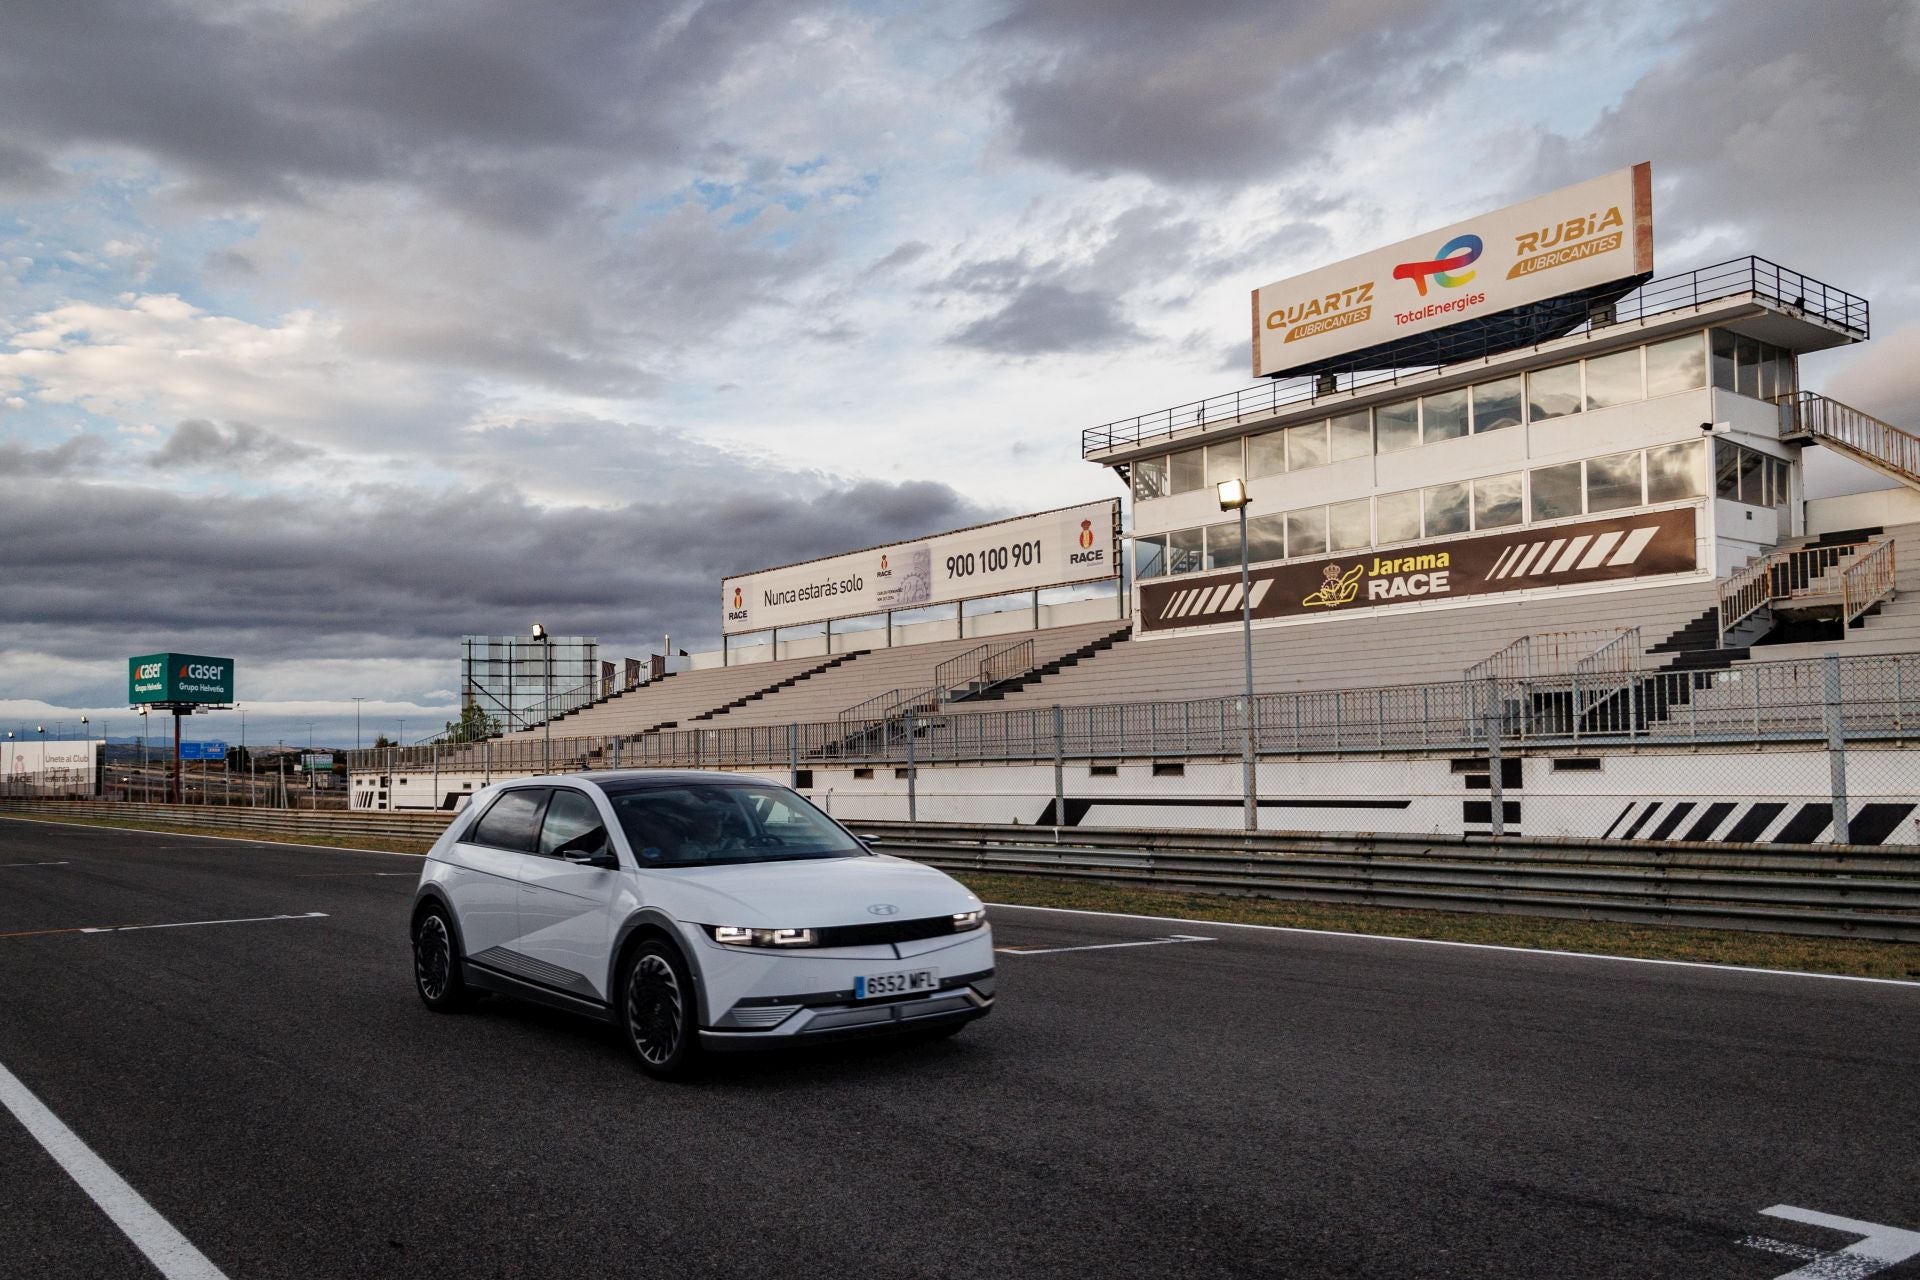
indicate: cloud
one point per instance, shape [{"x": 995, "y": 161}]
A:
[
  {"x": 1229, "y": 91},
  {"x": 75, "y": 455},
  {"x": 27, "y": 173},
  {"x": 398, "y": 573},
  {"x": 199, "y": 443},
  {"x": 1043, "y": 319}
]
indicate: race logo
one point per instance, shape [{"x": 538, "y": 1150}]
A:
[
  {"x": 1337, "y": 589},
  {"x": 1448, "y": 268},
  {"x": 1086, "y": 535},
  {"x": 883, "y": 562},
  {"x": 1574, "y": 240},
  {"x": 738, "y": 599}
]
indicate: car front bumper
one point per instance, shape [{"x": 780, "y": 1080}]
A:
[{"x": 757, "y": 999}]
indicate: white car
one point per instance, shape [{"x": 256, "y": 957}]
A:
[{"x": 695, "y": 911}]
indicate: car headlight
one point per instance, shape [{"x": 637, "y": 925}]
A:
[
  {"x": 736, "y": 936},
  {"x": 964, "y": 920}
]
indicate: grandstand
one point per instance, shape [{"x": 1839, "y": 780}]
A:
[{"x": 1586, "y": 525}]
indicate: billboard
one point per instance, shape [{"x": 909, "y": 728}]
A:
[
  {"x": 41, "y": 763},
  {"x": 160, "y": 678},
  {"x": 1580, "y": 237},
  {"x": 1606, "y": 550},
  {"x": 1050, "y": 549}
]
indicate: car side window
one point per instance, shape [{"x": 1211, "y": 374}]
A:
[
  {"x": 512, "y": 821},
  {"x": 572, "y": 825}
]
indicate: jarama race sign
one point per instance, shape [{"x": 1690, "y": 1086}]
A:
[
  {"x": 1588, "y": 235},
  {"x": 159, "y": 678},
  {"x": 1633, "y": 546}
]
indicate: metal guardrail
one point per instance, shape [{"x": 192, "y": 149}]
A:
[
  {"x": 1560, "y": 653},
  {"x": 1830, "y": 890},
  {"x": 1740, "y": 277},
  {"x": 345, "y": 824},
  {"x": 1832, "y": 422},
  {"x": 1826, "y": 890}
]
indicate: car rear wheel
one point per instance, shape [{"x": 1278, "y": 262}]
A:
[
  {"x": 658, "y": 1012},
  {"x": 436, "y": 967}
]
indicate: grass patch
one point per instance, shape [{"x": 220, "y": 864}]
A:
[
  {"x": 1654, "y": 942},
  {"x": 231, "y": 833}
]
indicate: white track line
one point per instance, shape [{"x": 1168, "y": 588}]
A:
[
  {"x": 1471, "y": 946},
  {"x": 1100, "y": 946},
  {"x": 169, "y": 1251},
  {"x": 5, "y": 865},
  {"x": 192, "y": 924}
]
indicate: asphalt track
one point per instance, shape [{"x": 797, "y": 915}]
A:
[{"x": 1265, "y": 1103}]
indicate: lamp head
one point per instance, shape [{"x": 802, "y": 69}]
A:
[
  {"x": 1233, "y": 494},
  {"x": 539, "y": 632}
]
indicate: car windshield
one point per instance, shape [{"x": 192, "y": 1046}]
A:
[{"x": 702, "y": 823}]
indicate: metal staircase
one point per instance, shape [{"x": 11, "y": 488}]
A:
[{"x": 1814, "y": 419}]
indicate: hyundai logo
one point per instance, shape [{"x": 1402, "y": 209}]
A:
[{"x": 883, "y": 909}]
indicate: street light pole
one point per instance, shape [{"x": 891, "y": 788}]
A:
[
  {"x": 546, "y": 648},
  {"x": 1233, "y": 497},
  {"x": 356, "y": 722}
]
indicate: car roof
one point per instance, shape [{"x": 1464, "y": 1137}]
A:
[{"x": 631, "y": 778}]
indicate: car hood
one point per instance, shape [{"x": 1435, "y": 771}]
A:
[{"x": 808, "y": 893}]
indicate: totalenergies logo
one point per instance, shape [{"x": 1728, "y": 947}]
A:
[
  {"x": 1086, "y": 535},
  {"x": 1446, "y": 267}
]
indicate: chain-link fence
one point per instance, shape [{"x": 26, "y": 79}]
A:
[{"x": 1590, "y": 749}]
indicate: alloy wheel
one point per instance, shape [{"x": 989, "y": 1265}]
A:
[
  {"x": 432, "y": 956},
  {"x": 654, "y": 1009}
]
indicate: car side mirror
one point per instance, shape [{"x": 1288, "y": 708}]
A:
[
  {"x": 872, "y": 842},
  {"x": 590, "y": 850}
]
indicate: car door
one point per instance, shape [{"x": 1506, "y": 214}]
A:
[
  {"x": 566, "y": 905},
  {"x": 486, "y": 889}
]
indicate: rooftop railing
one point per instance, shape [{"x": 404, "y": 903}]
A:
[{"x": 1741, "y": 277}]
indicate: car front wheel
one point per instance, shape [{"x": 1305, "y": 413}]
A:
[{"x": 658, "y": 1012}]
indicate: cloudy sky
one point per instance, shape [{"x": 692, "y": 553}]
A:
[{"x": 331, "y": 330}]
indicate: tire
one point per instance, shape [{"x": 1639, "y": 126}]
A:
[
  {"x": 436, "y": 963},
  {"x": 658, "y": 1012}
]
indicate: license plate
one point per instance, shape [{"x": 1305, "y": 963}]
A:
[{"x": 912, "y": 982}]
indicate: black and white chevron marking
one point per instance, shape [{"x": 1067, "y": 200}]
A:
[
  {"x": 1558, "y": 555},
  {"x": 1753, "y": 821}
]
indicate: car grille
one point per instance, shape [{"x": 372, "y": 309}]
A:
[{"x": 869, "y": 935}]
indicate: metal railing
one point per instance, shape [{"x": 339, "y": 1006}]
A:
[
  {"x": 1866, "y": 582},
  {"x": 1750, "y": 703},
  {"x": 1801, "y": 573},
  {"x": 1740, "y": 277},
  {"x": 978, "y": 670},
  {"x": 1831, "y": 422},
  {"x": 1559, "y": 653}
]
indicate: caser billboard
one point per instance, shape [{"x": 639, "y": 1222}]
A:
[
  {"x": 179, "y": 678},
  {"x": 1585, "y": 236},
  {"x": 1048, "y": 549}
]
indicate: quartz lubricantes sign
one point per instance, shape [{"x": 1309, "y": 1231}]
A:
[{"x": 179, "y": 678}]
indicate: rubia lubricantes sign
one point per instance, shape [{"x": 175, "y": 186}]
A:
[
  {"x": 1582, "y": 237},
  {"x": 1631, "y": 546},
  {"x": 181, "y": 678}
]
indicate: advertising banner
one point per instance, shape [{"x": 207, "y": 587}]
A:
[
  {"x": 50, "y": 763},
  {"x": 1050, "y": 549},
  {"x": 179, "y": 677},
  {"x": 1606, "y": 550},
  {"x": 1590, "y": 234}
]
